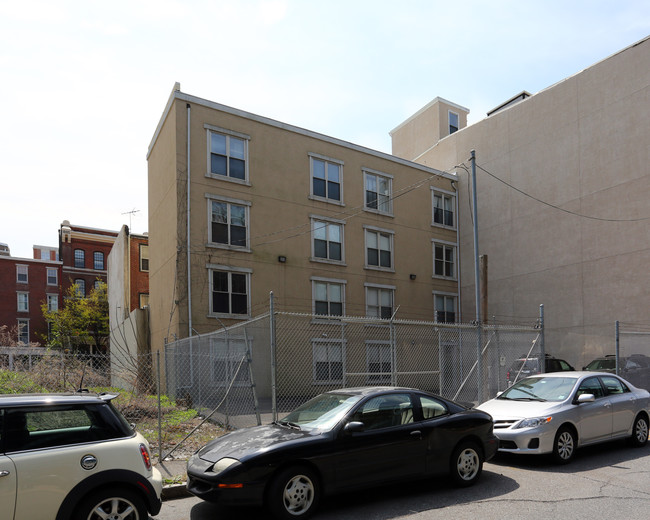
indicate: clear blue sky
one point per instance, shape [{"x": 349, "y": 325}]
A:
[{"x": 83, "y": 83}]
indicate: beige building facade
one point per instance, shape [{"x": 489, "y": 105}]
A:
[
  {"x": 243, "y": 206},
  {"x": 563, "y": 202}
]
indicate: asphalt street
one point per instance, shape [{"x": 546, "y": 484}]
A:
[{"x": 604, "y": 482}]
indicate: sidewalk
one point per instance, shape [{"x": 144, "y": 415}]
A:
[{"x": 174, "y": 475}]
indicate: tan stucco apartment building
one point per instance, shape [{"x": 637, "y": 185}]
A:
[
  {"x": 328, "y": 226},
  {"x": 563, "y": 202}
]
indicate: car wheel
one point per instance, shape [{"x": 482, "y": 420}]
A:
[
  {"x": 639, "y": 431},
  {"x": 466, "y": 464},
  {"x": 564, "y": 447},
  {"x": 294, "y": 493},
  {"x": 116, "y": 504}
]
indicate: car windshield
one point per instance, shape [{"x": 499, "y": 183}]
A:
[
  {"x": 322, "y": 412},
  {"x": 540, "y": 389},
  {"x": 602, "y": 364}
]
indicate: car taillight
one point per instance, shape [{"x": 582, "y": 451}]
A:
[{"x": 146, "y": 458}]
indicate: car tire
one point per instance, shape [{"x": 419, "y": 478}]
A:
[
  {"x": 466, "y": 464},
  {"x": 294, "y": 493},
  {"x": 565, "y": 445},
  {"x": 639, "y": 436},
  {"x": 117, "y": 503}
]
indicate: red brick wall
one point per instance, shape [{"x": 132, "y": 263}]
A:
[{"x": 139, "y": 279}]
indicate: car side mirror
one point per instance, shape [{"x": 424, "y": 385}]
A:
[
  {"x": 586, "y": 398},
  {"x": 354, "y": 427}
]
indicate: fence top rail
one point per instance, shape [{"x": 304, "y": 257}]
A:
[{"x": 39, "y": 351}]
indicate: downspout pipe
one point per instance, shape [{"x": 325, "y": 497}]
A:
[{"x": 189, "y": 268}]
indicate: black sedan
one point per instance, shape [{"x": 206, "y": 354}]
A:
[{"x": 343, "y": 440}]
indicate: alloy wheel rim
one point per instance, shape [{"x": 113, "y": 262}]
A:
[
  {"x": 467, "y": 464},
  {"x": 114, "y": 509},
  {"x": 298, "y": 495},
  {"x": 641, "y": 430},
  {"x": 565, "y": 445}
]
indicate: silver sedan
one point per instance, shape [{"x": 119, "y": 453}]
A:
[{"x": 559, "y": 412}]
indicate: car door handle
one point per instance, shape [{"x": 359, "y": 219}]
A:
[
  {"x": 417, "y": 433},
  {"x": 4, "y": 473}
]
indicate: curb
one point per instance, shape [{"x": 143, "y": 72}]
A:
[{"x": 173, "y": 491}]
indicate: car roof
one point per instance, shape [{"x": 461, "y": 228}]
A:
[
  {"x": 54, "y": 399},
  {"x": 370, "y": 390},
  {"x": 572, "y": 373}
]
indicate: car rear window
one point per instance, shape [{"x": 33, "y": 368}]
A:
[{"x": 46, "y": 427}]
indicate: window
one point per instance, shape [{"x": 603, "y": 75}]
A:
[
  {"x": 614, "y": 386},
  {"x": 52, "y": 302},
  {"x": 229, "y": 292},
  {"x": 327, "y": 361},
  {"x": 444, "y": 260},
  {"x": 326, "y": 178},
  {"x": 327, "y": 240},
  {"x": 52, "y": 276},
  {"x": 379, "y": 362},
  {"x": 80, "y": 287},
  {"x": 443, "y": 209},
  {"x": 23, "y": 302},
  {"x": 23, "y": 331},
  {"x": 229, "y": 361},
  {"x": 431, "y": 407},
  {"x": 228, "y": 154},
  {"x": 21, "y": 274},
  {"x": 98, "y": 261},
  {"x": 379, "y": 249},
  {"x": 79, "y": 258},
  {"x": 591, "y": 386},
  {"x": 97, "y": 284},
  {"x": 228, "y": 223},
  {"x": 444, "y": 307},
  {"x": 378, "y": 188},
  {"x": 144, "y": 257},
  {"x": 144, "y": 300},
  {"x": 453, "y": 122},
  {"x": 328, "y": 297},
  {"x": 385, "y": 411},
  {"x": 379, "y": 301}
]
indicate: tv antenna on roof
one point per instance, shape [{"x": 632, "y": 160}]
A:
[{"x": 130, "y": 214}]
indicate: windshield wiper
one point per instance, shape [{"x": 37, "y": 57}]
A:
[
  {"x": 529, "y": 399},
  {"x": 287, "y": 424}
]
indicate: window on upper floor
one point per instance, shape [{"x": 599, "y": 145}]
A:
[
  {"x": 52, "y": 302},
  {"x": 228, "y": 157},
  {"x": 328, "y": 297},
  {"x": 379, "y": 301},
  {"x": 444, "y": 206},
  {"x": 229, "y": 292},
  {"x": 327, "y": 179},
  {"x": 22, "y": 274},
  {"x": 23, "y": 331},
  {"x": 144, "y": 300},
  {"x": 379, "y": 192},
  {"x": 444, "y": 307},
  {"x": 444, "y": 260},
  {"x": 453, "y": 122},
  {"x": 98, "y": 261},
  {"x": 144, "y": 257},
  {"x": 327, "y": 241},
  {"x": 79, "y": 258},
  {"x": 52, "y": 276},
  {"x": 228, "y": 223},
  {"x": 379, "y": 249},
  {"x": 23, "y": 302}
]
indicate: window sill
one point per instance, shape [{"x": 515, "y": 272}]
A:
[
  {"x": 215, "y": 176},
  {"x": 442, "y": 226},
  {"x": 328, "y": 201},
  {"x": 378, "y": 212},
  {"x": 448, "y": 278},
  {"x": 327, "y": 261},
  {"x": 241, "y": 317},
  {"x": 380, "y": 269},
  {"x": 226, "y": 247}
]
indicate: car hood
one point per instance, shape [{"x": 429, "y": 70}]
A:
[
  {"x": 502, "y": 408},
  {"x": 246, "y": 442}
]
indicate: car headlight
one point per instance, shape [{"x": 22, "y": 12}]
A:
[
  {"x": 223, "y": 464},
  {"x": 534, "y": 422}
]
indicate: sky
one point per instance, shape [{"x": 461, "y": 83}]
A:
[{"x": 84, "y": 83}]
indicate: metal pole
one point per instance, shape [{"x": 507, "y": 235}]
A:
[
  {"x": 159, "y": 406},
  {"x": 542, "y": 345},
  {"x": 618, "y": 345},
  {"x": 479, "y": 338},
  {"x": 274, "y": 408}
]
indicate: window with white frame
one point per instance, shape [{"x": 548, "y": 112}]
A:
[
  {"x": 98, "y": 261},
  {"x": 52, "y": 276},
  {"x": 328, "y": 297},
  {"x": 379, "y": 192},
  {"x": 23, "y": 331},
  {"x": 80, "y": 288},
  {"x": 228, "y": 223},
  {"x": 444, "y": 208},
  {"x": 379, "y": 248},
  {"x": 379, "y": 363},
  {"x": 326, "y": 175},
  {"x": 327, "y": 361},
  {"x": 444, "y": 260},
  {"x": 229, "y": 361},
  {"x": 444, "y": 307},
  {"x": 97, "y": 284},
  {"x": 144, "y": 257},
  {"x": 22, "y": 274},
  {"x": 23, "y": 302},
  {"x": 79, "y": 258},
  {"x": 144, "y": 300},
  {"x": 52, "y": 302},
  {"x": 229, "y": 292},
  {"x": 379, "y": 301},
  {"x": 228, "y": 154},
  {"x": 453, "y": 122},
  {"x": 327, "y": 241}
]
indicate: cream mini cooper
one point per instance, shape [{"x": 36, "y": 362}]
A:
[{"x": 73, "y": 456}]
